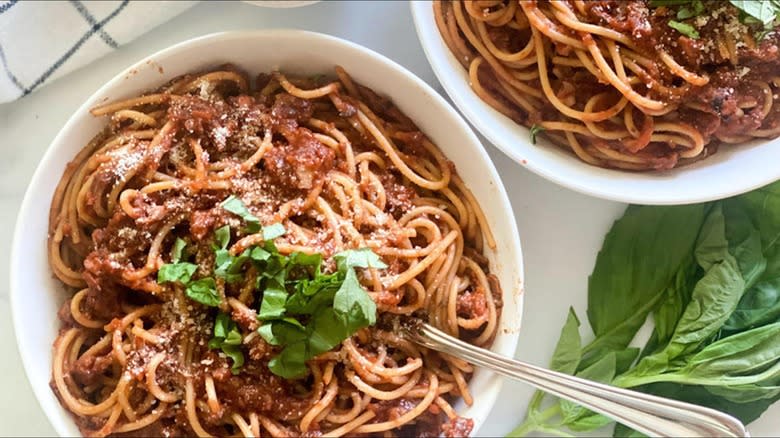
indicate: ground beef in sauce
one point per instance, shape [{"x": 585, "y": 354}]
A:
[
  {"x": 302, "y": 163},
  {"x": 88, "y": 370},
  {"x": 102, "y": 300},
  {"x": 257, "y": 390},
  {"x": 472, "y": 304},
  {"x": 288, "y": 107},
  {"x": 399, "y": 196}
]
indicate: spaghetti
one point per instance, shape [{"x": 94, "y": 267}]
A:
[
  {"x": 617, "y": 82},
  {"x": 340, "y": 168}
]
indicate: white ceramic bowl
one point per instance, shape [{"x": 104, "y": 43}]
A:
[
  {"x": 731, "y": 171},
  {"x": 36, "y": 295}
]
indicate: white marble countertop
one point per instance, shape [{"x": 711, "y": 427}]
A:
[{"x": 560, "y": 230}]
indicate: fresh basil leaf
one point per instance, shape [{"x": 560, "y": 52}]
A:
[
  {"x": 625, "y": 358},
  {"x": 685, "y": 13},
  {"x": 685, "y": 29},
  {"x": 744, "y": 403},
  {"x": 622, "y": 431},
  {"x": 275, "y": 269},
  {"x": 744, "y": 241},
  {"x": 291, "y": 362},
  {"x": 322, "y": 283},
  {"x": 746, "y": 412},
  {"x": 567, "y": 354},
  {"x": 266, "y": 331},
  {"x": 314, "y": 296},
  {"x": 233, "y": 338},
  {"x": 589, "y": 421},
  {"x": 745, "y": 393},
  {"x": 228, "y": 338},
  {"x": 760, "y": 305},
  {"x": 235, "y": 354},
  {"x": 307, "y": 261},
  {"x": 695, "y": 8},
  {"x": 293, "y": 322},
  {"x": 714, "y": 298},
  {"x": 763, "y": 208},
  {"x": 236, "y": 206},
  {"x": 204, "y": 291},
  {"x": 259, "y": 254},
  {"x": 352, "y": 304},
  {"x": 299, "y": 258},
  {"x": 640, "y": 258},
  {"x": 716, "y": 295},
  {"x": 602, "y": 371},
  {"x": 283, "y": 331},
  {"x": 271, "y": 232},
  {"x": 358, "y": 258},
  {"x": 274, "y": 299},
  {"x": 222, "y": 261},
  {"x": 176, "y": 272},
  {"x": 222, "y": 237},
  {"x": 178, "y": 250},
  {"x": 536, "y": 130},
  {"x": 222, "y": 325},
  {"x": 328, "y": 331},
  {"x": 228, "y": 266},
  {"x": 676, "y": 299},
  {"x": 215, "y": 343},
  {"x": 746, "y": 355},
  {"x": 763, "y": 11}
]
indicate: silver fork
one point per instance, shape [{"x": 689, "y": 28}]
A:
[{"x": 649, "y": 414}]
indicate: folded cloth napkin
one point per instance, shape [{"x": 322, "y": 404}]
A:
[{"x": 43, "y": 40}]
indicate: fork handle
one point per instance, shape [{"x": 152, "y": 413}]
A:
[{"x": 649, "y": 414}]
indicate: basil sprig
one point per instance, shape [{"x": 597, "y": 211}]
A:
[{"x": 708, "y": 278}]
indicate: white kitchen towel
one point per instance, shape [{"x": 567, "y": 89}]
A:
[{"x": 43, "y": 40}]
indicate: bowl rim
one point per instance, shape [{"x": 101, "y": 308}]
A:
[
  {"x": 62, "y": 421},
  {"x": 476, "y": 111}
]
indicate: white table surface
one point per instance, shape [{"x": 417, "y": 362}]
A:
[{"x": 560, "y": 230}]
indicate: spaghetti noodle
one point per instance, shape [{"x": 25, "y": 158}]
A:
[
  {"x": 616, "y": 82},
  {"x": 338, "y": 166}
]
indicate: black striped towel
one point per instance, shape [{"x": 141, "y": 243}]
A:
[{"x": 41, "y": 41}]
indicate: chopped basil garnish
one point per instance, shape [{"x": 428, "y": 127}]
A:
[
  {"x": 314, "y": 312},
  {"x": 685, "y": 29},
  {"x": 237, "y": 207},
  {"x": 178, "y": 250},
  {"x": 204, "y": 291},
  {"x": 304, "y": 311},
  {"x": 535, "y": 130},
  {"x": 176, "y": 271},
  {"x": 273, "y": 231},
  {"x": 228, "y": 339}
]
